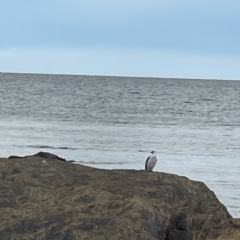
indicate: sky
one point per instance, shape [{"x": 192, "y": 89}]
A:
[{"x": 146, "y": 38}]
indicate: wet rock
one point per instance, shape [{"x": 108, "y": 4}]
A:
[{"x": 44, "y": 198}]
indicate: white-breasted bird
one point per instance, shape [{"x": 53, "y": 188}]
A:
[{"x": 151, "y": 161}]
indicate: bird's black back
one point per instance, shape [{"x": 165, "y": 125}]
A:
[{"x": 146, "y": 163}]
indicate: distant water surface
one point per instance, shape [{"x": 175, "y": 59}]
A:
[{"x": 114, "y": 122}]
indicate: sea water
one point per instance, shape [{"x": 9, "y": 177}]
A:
[{"x": 114, "y": 123}]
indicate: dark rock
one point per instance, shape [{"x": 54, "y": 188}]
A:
[
  {"x": 44, "y": 198},
  {"x": 177, "y": 228},
  {"x": 14, "y": 157},
  {"x": 47, "y": 155}
]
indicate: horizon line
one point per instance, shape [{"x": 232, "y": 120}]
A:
[{"x": 123, "y": 76}]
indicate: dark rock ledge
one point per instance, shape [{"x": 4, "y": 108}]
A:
[{"x": 44, "y": 198}]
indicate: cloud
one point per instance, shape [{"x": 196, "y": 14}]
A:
[{"x": 118, "y": 62}]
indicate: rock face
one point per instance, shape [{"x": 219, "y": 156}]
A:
[
  {"x": 232, "y": 233},
  {"x": 44, "y": 198}
]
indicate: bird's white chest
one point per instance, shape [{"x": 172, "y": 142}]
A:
[{"x": 151, "y": 162}]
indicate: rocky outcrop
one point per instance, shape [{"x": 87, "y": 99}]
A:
[
  {"x": 45, "y": 155},
  {"x": 44, "y": 198}
]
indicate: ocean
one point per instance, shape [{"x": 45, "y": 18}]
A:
[{"x": 114, "y": 123}]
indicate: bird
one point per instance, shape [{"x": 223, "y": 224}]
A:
[{"x": 151, "y": 161}]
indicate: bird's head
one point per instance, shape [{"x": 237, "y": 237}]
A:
[{"x": 154, "y": 152}]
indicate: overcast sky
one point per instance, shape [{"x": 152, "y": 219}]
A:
[{"x": 155, "y": 38}]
